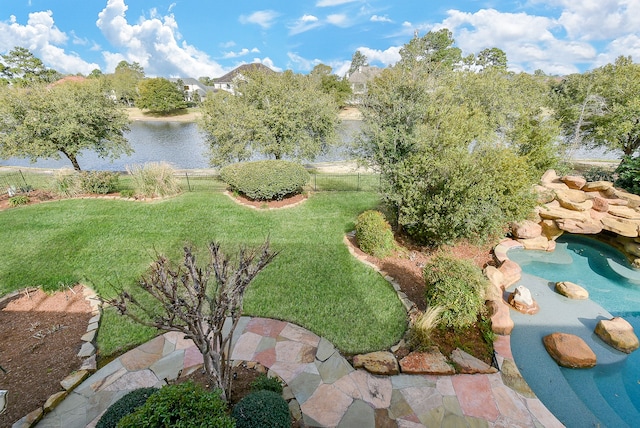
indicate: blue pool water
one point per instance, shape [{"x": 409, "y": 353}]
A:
[{"x": 611, "y": 391}]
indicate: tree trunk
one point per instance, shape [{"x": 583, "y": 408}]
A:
[{"x": 73, "y": 159}]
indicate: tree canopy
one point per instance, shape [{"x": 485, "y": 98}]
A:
[
  {"x": 124, "y": 81},
  {"x": 278, "y": 115},
  {"x": 357, "y": 60},
  {"x": 21, "y": 68},
  {"x": 602, "y": 107},
  {"x": 61, "y": 119},
  {"x": 159, "y": 95}
]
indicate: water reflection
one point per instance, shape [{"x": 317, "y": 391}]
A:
[{"x": 180, "y": 144}]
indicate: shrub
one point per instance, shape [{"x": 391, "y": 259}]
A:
[
  {"x": 262, "y": 409},
  {"x": 67, "y": 183},
  {"x": 458, "y": 286},
  {"x": 266, "y": 383},
  {"x": 629, "y": 174},
  {"x": 181, "y": 406},
  {"x": 374, "y": 234},
  {"x": 598, "y": 173},
  {"x": 127, "y": 193},
  {"x": 265, "y": 180},
  {"x": 15, "y": 201},
  {"x": 154, "y": 179},
  {"x": 99, "y": 182},
  {"x": 124, "y": 406}
]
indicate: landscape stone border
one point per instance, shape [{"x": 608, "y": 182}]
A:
[{"x": 87, "y": 353}]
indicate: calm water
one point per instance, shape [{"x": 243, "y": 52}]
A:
[
  {"x": 588, "y": 262},
  {"x": 180, "y": 144}
]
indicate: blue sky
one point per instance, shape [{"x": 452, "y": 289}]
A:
[{"x": 194, "y": 38}]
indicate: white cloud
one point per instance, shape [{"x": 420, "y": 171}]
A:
[
  {"x": 268, "y": 62},
  {"x": 625, "y": 46},
  {"x": 154, "y": 43},
  {"x": 386, "y": 57},
  {"x": 338, "y": 19},
  {"x": 598, "y": 19},
  {"x": 240, "y": 53},
  {"x": 41, "y": 36},
  {"x": 302, "y": 63},
  {"x": 303, "y": 24},
  {"x": 326, "y": 3},
  {"x": 377, "y": 18},
  {"x": 263, "y": 18}
]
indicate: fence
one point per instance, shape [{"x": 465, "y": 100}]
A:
[
  {"x": 318, "y": 182},
  {"x": 13, "y": 183}
]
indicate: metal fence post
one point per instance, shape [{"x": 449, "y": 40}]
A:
[{"x": 186, "y": 174}]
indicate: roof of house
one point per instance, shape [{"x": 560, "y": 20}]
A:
[
  {"x": 227, "y": 78},
  {"x": 364, "y": 74}
]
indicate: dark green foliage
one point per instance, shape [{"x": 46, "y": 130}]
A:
[
  {"x": 124, "y": 406},
  {"x": 15, "y": 201},
  {"x": 374, "y": 234},
  {"x": 180, "y": 406},
  {"x": 159, "y": 95},
  {"x": 265, "y": 180},
  {"x": 262, "y": 409},
  {"x": 456, "y": 285},
  {"x": 127, "y": 193},
  {"x": 265, "y": 383},
  {"x": 99, "y": 182},
  {"x": 629, "y": 174},
  {"x": 596, "y": 173}
]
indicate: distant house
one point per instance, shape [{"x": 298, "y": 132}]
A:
[
  {"x": 359, "y": 79},
  {"x": 194, "y": 90},
  {"x": 231, "y": 79}
]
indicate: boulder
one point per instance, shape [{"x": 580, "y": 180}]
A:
[
  {"x": 597, "y": 186},
  {"x": 600, "y": 204},
  {"x": 574, "y": 181},
  {"x": 496, "y": 278},
  {"x": 571, "y": 290},
  {"x": 571, "y": 195},
  {"x": 618, "y": 333},
  {"x": 501, "y": 322},
  {"x": 632, "y": 199},
  {"x": 551, "y": 230},
  {"x": 574, "y": 201},
  {"x": 620, "y": 226},
  {"x": 624, "y": 212},
  {"x": 569, "y": 350},
  {"x": 552, "y": 212},
  {"x": 522, "y": 301},
  {"x": 549, "y": 176},
  {"x": 538, "y": 243},
  {"x": 379, "y": 363},
  {"x": 525, "y": 229},
  {"x": 544, "y": 195},
  {"x": 511, "y": 271},
  {"x": 430, "y": 362},
  {"x": 589, "y": 227},
  {"x": 468, "y": 364}
]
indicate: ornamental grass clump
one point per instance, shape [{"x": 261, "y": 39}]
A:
[
  {"x": 374, "y": 234},
  {"x": 266, "y": 180},
  {"x": 154, "y": 179},
  {"x": 420, "y": 331},
  {"x": 456, "y": 285}
]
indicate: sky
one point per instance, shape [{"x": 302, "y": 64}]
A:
[{"x": 196, "y": 38}]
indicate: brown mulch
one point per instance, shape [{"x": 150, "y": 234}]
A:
[
  {"x": 39, "y": 342},
  {"x": 283, "y": 203},
  {"x": 35, "y": 196}
]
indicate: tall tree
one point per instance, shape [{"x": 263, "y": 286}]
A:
[
  {"x": 159, "y": 95},
  {"x": 435, "y": 49},
  {"x": 331, "y": 84},
  {"x": 124, "y": 81},
  {"x": 358, "y": 60},
  {"x": 61, "y": 119},
  {"x": 22, "y": 68},
  {"x": 280, "y": 115}
]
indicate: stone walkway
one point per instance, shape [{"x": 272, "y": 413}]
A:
[{"x": 329, "y": 391}]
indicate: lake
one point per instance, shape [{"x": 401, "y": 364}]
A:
[{"x": 181, "y": 144}]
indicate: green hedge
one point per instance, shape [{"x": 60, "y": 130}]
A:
[
  {"x": 265, "y": 180},
  {"x": 262, "y": 409},
  {"x": 185, "y": 405},
  {"x": 374, "y": 234},
  {"x": 124, "y": 406}
]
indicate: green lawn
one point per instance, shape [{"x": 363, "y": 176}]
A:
[{"x": 314, "y": 282}]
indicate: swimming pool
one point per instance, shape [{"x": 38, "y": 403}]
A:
[{"x": 608, "y": 394}]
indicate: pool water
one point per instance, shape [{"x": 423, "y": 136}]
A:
[{"x": 610, "y": 391}]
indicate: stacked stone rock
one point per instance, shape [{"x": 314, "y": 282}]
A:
[{"x": 573, "y": 205}]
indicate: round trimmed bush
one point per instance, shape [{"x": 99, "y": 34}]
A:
[
  {"x": 262, "y": 409},
  {"x": 374, "y": 234},
  {"x": 265, "y": 180},
  {"x": 184, "y": 405},
  {"x": 124, "y": 406},
  {"x": 458, "y": 286}
]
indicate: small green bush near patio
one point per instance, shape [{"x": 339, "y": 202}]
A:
[
  {"x": 262, "y": 409},
  {"x": 183, "y": 405},
  {"x": 154, "y": 179},
  {"x": 374, "y": 234},
  {"x": 629, "y": 174},
  {"x": 456, "y": 285},
  {"x": 124, "y": 406},
  {"x": 266, "y": 383},
  {"x": 265, "y": 180}
]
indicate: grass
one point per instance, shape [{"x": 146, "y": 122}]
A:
[{"x": 314, "y": 282}]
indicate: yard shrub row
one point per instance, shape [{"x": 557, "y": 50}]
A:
[
  {"x": 265, "y": 180},
  {"x": 374, "y": 234}
]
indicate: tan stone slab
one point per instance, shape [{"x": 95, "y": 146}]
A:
[
  {"x": 295, "y": 352},
  {"x": 525, "y": 229},
  {"x": 327, "y": 405},
  {"x": 54, "y": 400},
  {"x": 571, "y": 290},
  {"x": 550, "y": 229},
  {"x": 144, "y": 355},
  {"x": 624, "y": 212},
  {"x": 380, "y": 363},
  {"x": 469, "y": 364},
  {"x": 74, "y": 379},
  {"x": 538, "y": 243},
  {"x": 374, "y": 390},
  {"x": 618, "y": 333},
  {"x": 574, "y": 181},
  {"x": 590, "y": 227},
  {"x": 622, "y": 227},
  {"x": 553, "y": 213},
  {"x": 569, "y": 350},
  {"x": 430, "y": 362},
  {"x": 570, "y": 195},
  {"x": 596, "y": 186}
]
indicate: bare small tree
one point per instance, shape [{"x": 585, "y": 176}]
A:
[{"x": 198, "y": 302}]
